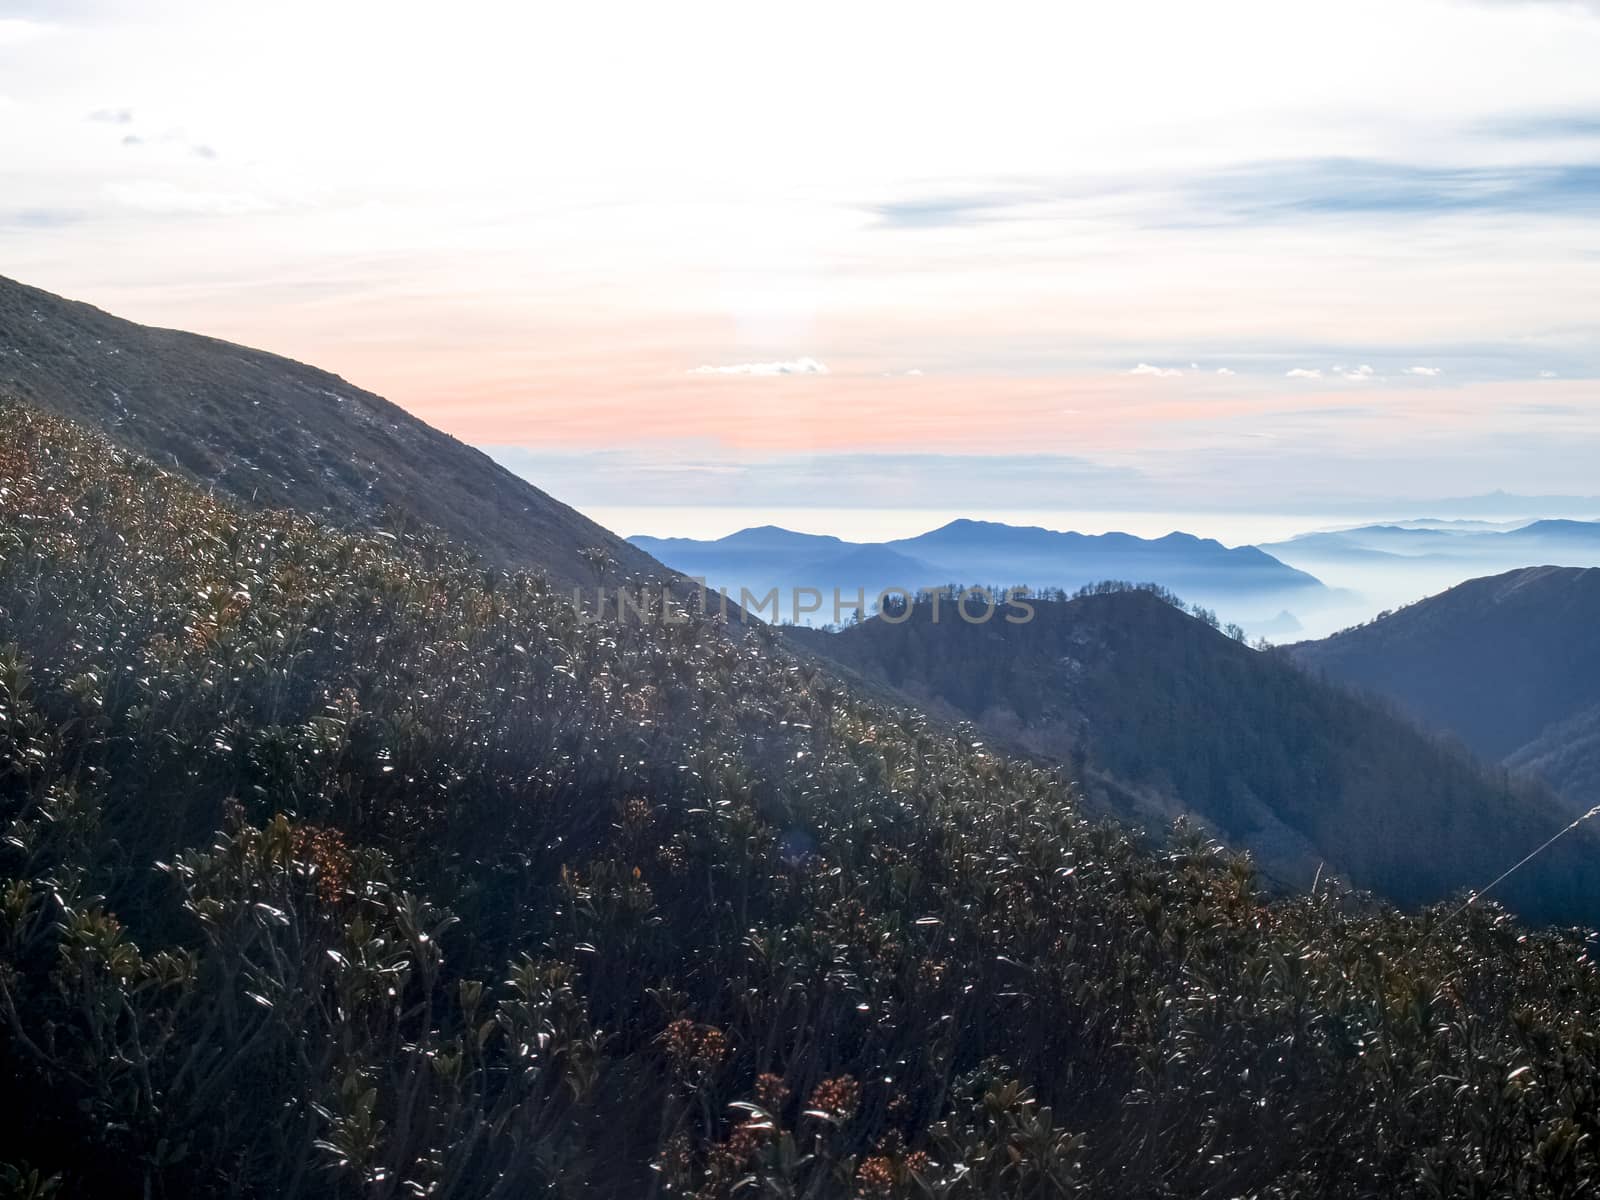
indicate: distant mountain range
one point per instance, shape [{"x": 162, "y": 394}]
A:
[
  {"x": 273, "y": 432},
  {"x": 1241, "y": 579},
  {"x": 1569, "y": 543},
  {"x": 1158, "y": 714},
  {"x": 1509, "y": 664}
]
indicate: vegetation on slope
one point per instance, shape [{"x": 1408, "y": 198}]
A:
[
  {"x": 1566, "y": 756},
  {"x": 1172, "y": 715},
  {"x": 1495, "y": 661},
  {"x": 336, "y": 866}
]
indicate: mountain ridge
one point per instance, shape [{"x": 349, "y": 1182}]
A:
[
  {"x": 989, "y": 553},
  {"x": 271, "y": 431}
]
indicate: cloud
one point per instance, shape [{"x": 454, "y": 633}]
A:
[
  {"x": 935, "y": 212},
  {"x": 703, "y": 476},
  {"x": 112, "y": 116},
  {"x": 1546, "y": 125},
  {"x": 1159, "y": 372},
  {"x": 1547, "y": 374},
  {"x": 41, "y": 218},
  {"x": 1303, "y": 373},
  {"x": 1425, "y": 372},
  {"x": 1361, "y": 374},
  {"x": 1284, "y": 190},
  {"x": 1376, "y": 187},
  {"x": 1225, "y": 371},
  {"x": 167, "y": 198},
  {"x": 793, "y": 366}
]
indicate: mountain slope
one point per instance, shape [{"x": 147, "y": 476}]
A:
[
  {"x": 333, "y": 865},
  {"x": 1495, "y": 661},
  {"x": 274, "y": 432},
  {"x": 1173, "y": 717}
]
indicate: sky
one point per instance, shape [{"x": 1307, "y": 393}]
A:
[{"x": 1245, "y": 256}]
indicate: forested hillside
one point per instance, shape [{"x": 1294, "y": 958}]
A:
[
  {"x": 1510, "y": 664},
  {"x": 1159, "y": 713},
  {"x": 336, "y": 865}
]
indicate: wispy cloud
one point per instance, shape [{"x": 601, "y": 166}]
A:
[
  {"x": 112, "y": 116},
  {"x": 1303, "y": 373},
  {"x": 932, "y": 212},
  {"x": 1226, "y": 371},
  {"x": 793, "y": 366},
  {"x": 1361, "y": 374},
  {"x": 42, "y": 218},
  {"x": 847, "y": 479},
  {"x": 1425, "y": 372},
  {"x": 1159, "y": 372},
  {"x": 1357, "y": 186},
  {"x": 1546, "y": 125},
  {"x": 1255, "y": 192}
]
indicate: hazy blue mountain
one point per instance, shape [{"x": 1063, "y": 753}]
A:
[
  {"x": 1584, "y": 535},
  {"x": 768, "y": 557},
  {"x": 1574, "y": 543},
  {"x": 1039, "y": 557},
  {"x": 1241, "y": 580}
]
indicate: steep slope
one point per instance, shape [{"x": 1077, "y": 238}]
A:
[
  {"x": 1172, "y": 717},
  {"x": 337, "y": 866},
  {"x": 274, "y": 432},
  {"x": 1495, "y": 661}
]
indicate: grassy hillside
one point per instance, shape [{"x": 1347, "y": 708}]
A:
[
  {"x": 276, "y": 433},
  {"x": 1175, "y": 716},
  {"x": 335, "y": 865}
]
